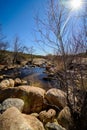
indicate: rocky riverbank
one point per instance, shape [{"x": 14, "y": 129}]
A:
[{"x": 25, "y": 107}]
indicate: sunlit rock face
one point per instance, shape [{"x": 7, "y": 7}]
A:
[
  {"x": 13, "y": 119},
  {"x": 33, "y": 97},
  {"x": 6, "y": 83},
  {"x": 34, "y": 122},
  {"x": 56, "y": 97}
]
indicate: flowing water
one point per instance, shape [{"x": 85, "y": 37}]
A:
[{"x": 33, "y": 75}]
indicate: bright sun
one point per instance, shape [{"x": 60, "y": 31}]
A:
[{"x": 75, "y": 4}]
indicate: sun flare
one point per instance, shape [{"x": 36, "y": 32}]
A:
[{"x": 75, "y": 4}]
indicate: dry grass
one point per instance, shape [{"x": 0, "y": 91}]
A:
[
  {"x": 36, "y": 84},
  {"x": 60, "y": 66},
  {"x": 58, "y": 62},
  {"x": 84, "y": 86}
]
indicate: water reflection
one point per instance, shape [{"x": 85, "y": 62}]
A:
[
  {"x": 33, "y": 75},
  {"x": 25, "y": 71}
]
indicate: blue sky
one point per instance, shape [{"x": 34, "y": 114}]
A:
[{"x": 17, "y": 19}]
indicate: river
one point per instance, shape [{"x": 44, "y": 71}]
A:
[{"x": 33, "y": 75}]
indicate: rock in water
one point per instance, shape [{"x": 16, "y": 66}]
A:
[{"x": 6, "y": 83}]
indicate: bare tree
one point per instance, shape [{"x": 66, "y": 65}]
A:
[
  {"x": 54, "y": 32},
  {"x": 30, "y": 51},
  {"x": 4, "y": 45},
  {"x": 50, "y": 27},
  {"x": 17, "y": 49}
]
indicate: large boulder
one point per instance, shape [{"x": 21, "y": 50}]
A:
[
  {"x": 56, "y": 97},
  {"x": 53, "y": 126},
  {"x": 18, "y": 103},
  {"x": 13, "y": 119},
  {"x": 64, "y": 118},
  {"x": 33, "y": 97},
  {"x": 34, "y": 122},
  {"x": 34, "y": 101},
  {"x": 47, "y": 116}
]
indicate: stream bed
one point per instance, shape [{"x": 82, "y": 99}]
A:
[{"x": 33, "y": 75}]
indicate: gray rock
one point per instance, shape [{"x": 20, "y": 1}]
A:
[
  {"x": 18, "y": 103},
  {"x": 53, "y": 126}
]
